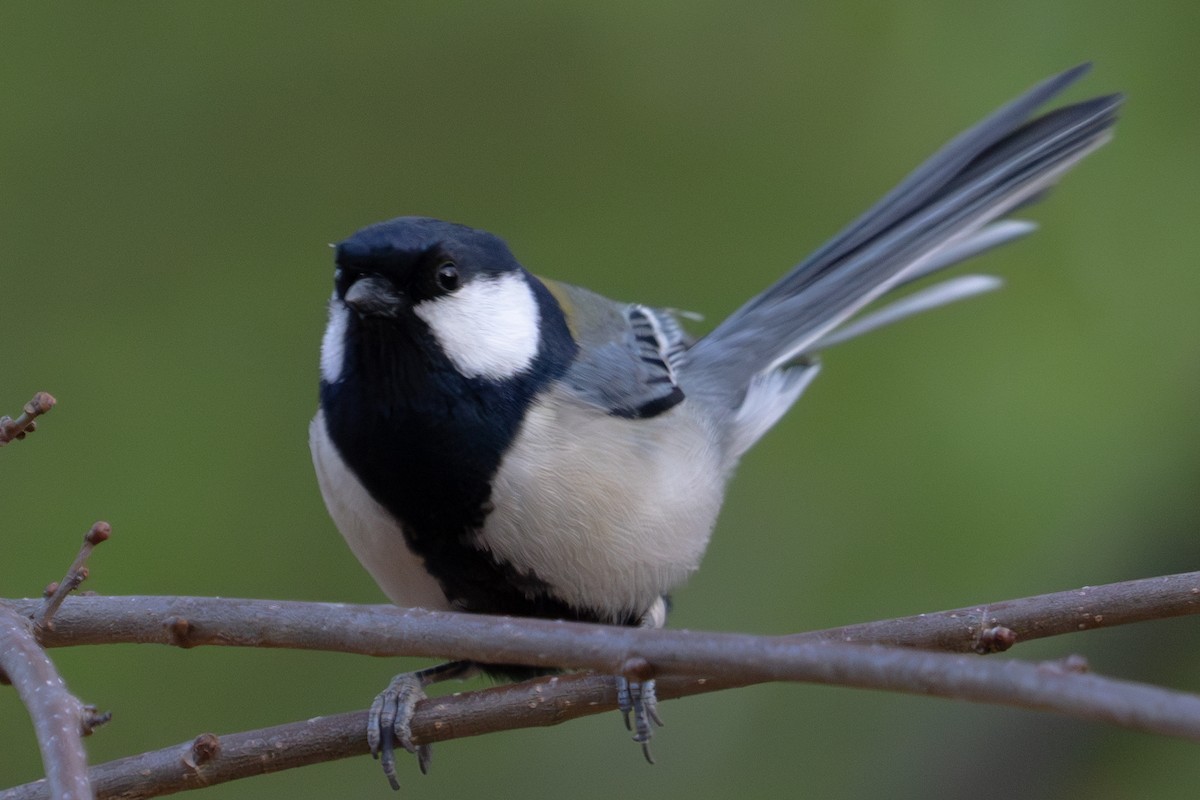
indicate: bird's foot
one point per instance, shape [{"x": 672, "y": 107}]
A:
[
  {"x": 639, "y": 705},
  {"x": 390, "y": 718}
]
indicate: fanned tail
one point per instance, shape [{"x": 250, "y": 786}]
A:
[{"x": 944, "y": 212}]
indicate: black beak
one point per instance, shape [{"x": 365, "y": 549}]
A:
[{"x": 372, "y": 296}]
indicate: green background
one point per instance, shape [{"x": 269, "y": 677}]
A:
[{"x": 170, "y": 176}]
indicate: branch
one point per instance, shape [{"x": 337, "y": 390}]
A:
[
  {"x": 26, "y": 423},
  {"x": 77, "y": 573},
  {"x": 384, "y": 630},
  {"x": 1037, "y": 617},
  {"x": 687, "y": 663},
  {"x": 58, "y": 718},
  {"x": 553, "y": 700}
]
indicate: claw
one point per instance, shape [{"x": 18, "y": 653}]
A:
[
  {"x": 639, "y": 700},
  {"x": 650, "y": 700},
  {"x": 624, "y": 700},
  {"x": 389, "y": 720}
]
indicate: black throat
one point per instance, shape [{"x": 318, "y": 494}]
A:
[{"x": 426, "y": 442}]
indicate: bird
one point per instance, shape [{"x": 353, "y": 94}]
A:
[{"x": 494, "y": 442}]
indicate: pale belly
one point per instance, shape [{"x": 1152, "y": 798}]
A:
[{"x": 611, "y": 513}]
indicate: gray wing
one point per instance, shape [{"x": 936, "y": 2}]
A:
[{"x": 629, "y": 353}]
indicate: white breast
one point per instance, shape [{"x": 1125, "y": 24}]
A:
[
  {"x": 611, "y": 512},
  {"x": 372, "y": 533}
]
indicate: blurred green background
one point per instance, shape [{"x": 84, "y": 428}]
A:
[{"x": 170, "y": 176}]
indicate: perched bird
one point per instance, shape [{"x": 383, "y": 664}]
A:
[{"x": 494, "y": 442}]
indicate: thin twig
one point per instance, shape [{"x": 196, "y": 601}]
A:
[
  {"x": 56, "y": 593},
  {"x": 58, "y": 717},
  {"x": 26, "y": 423},
  {"x": 1029, "y": 618}
]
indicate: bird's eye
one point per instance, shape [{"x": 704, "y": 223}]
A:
[{"x": 448, "y": 278}]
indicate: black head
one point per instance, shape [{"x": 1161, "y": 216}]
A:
[
  {"x": 449, "y": 294},
  {"x": 422, "y": 258}
]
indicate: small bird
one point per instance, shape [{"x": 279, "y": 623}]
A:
[{"x": 494, "y": 442}]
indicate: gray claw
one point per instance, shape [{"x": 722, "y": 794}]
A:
[
  {"x": 639, "y": 701},
  {"x": 390, "y": 718},
  {"x": 390, "y": 721},
  {"x": 624, "y": 700}
]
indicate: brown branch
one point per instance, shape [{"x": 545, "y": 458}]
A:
[
  {"x": 687, "y": 663},
  {"x": 26, "y": 423},
  {"x": 384, "y": 630},
  {"x": 1037, "y": 617},
  {"x": 553, "y": 700},
  {"x": 58, "y": 718},
  {"x": 76, "y": 574}
]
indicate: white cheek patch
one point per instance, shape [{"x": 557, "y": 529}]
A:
[
  {"x": 490, "y": 328},
  {"x": 333, "y": 344}
]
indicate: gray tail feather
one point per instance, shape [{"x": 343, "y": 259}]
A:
[{"x": 935, "y": 217}]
